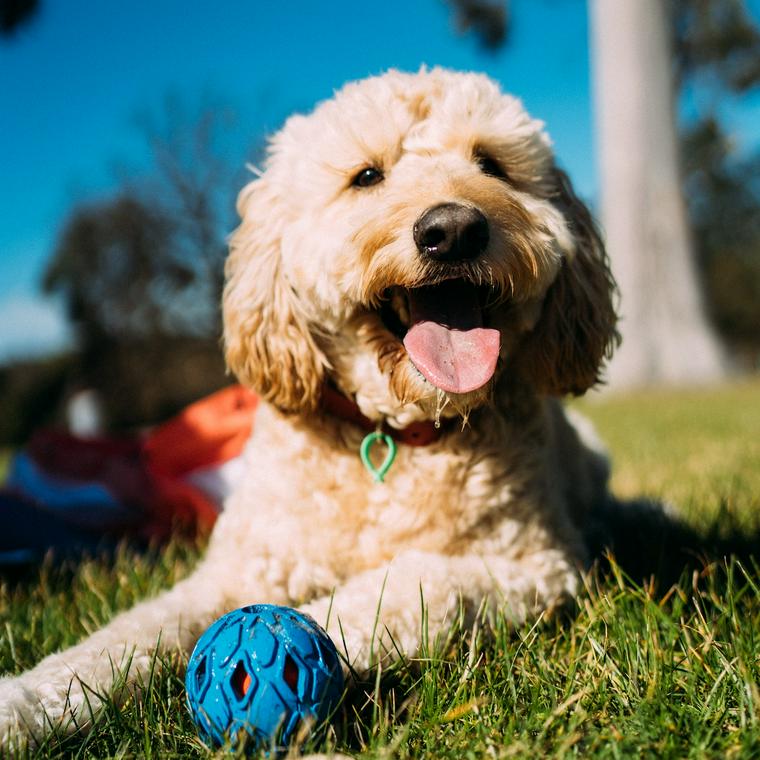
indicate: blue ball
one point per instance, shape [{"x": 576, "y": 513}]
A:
[{"x": 262, "y": 669}]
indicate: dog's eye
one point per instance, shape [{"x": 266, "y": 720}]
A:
[
  {"x": 367, "y": 177},
  {"x": 490, "y": 166}
]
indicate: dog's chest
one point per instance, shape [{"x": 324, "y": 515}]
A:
[{"x": 302, "y": 491}]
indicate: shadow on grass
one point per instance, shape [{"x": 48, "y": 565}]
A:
[{"x": 649, "y": 542}]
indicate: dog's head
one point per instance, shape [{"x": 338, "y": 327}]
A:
[{"x": 413, "y": 241}]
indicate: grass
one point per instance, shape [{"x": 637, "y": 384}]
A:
[
  {"x": 698, "y": 449},
  {"x": 5, "y": 458},
  {"x": 639, "y": 671}
]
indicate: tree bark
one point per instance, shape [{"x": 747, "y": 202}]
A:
[{"x": 666, "y": 336}]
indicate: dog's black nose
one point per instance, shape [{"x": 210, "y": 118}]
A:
[{"x": 451, "y": 232}]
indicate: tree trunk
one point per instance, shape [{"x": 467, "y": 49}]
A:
[{"x": 666, "y": 337}]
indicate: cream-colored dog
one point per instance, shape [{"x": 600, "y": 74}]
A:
[{"x": 410, "y": 256}]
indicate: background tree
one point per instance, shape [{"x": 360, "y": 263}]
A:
[
  {"x": 666, "y": 337},
  {"x": 198, "y": 166},
  {"x": 141, "y": 274},
  {"x": 15, "y": 13},
  {"x": 723, "y": 192},
  {"x": 487, "y": 19},
  {"x": 118, "y": 272},
  {"x": 718, "y": 57}
]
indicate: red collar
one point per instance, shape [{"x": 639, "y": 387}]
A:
[{"x": 416, "y": 434}]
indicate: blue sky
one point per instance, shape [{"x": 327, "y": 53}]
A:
[{"x": 73, "y": 79}]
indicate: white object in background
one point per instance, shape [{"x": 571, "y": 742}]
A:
[{"x": 84, "y": 413}]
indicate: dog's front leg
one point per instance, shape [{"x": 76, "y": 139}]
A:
[
  {"x": 65, "y": 690},
  {"x": 388, "y": 610}
]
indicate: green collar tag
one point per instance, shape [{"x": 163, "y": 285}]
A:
[{"x": 378, "y": 473}]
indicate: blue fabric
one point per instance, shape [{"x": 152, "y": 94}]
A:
[
  {"x": 28, "y": 531},
  {"x": 83, "y": 504},
  {"x": 26, "y": 477}
]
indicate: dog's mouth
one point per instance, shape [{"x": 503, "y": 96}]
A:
[{"x": 444, "y": 329}]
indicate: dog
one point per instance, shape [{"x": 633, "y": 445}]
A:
[{"x": 412, "y": 270}]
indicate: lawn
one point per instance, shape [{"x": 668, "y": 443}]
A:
[
  {"x": 5, "y": 456},
  {"x": 640, "y": 671}
]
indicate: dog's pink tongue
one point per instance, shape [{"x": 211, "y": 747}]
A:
[{"x": 447, "y": 341}]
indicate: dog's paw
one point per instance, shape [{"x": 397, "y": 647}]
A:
[
  {"x": 351, "y": 641},
  {"x": 362, "y": 637},
  {"x": 32, "y": 707},
  {"x": 18, "y": 712}
]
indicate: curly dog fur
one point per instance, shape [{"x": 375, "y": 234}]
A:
[{"x": 322, "y": 278}]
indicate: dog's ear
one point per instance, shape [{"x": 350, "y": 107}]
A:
[
  {"x": 268, "y": 344},
  {"x": 576, "y": 331}
]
